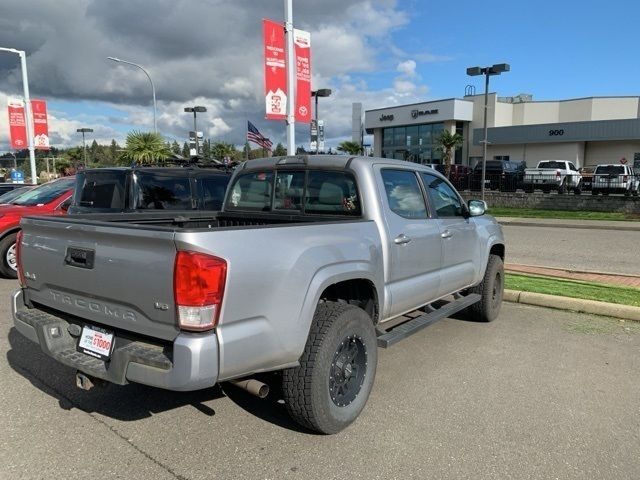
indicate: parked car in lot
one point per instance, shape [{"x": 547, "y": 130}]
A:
[
  {"x": 52, "y": 198},
  {"x": 311, "y": 264},
  {"x": 615, "y": 178},
  {"x": 9, "y": 186},
  {"x": 504, "y": 175},
  {"x": 9, "y": 196},
  {"x": 123, "y": 189},
  {"x": 559, "y": 175},
  {"x": 458, "y": 175},
  {"x": 587, "y": 178}
]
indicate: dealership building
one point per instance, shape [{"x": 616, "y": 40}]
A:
[{"x": 585, "y": 131}]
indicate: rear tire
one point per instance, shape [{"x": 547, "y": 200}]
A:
[
  {"x": 337, "y": 368},
  {"x": 491, "y": 290},
  {"x": 8, "y": 267},
  {"x": 562, "y": 189}
]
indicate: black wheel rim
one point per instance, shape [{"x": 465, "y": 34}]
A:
[{"x": 348, "y": 369}]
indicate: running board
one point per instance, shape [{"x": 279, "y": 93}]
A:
[{"x": 408, "y": 328}]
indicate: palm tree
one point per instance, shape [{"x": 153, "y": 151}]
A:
[
  {"x": 447, "y": 142},
  {"x": 145, "y": 147},
  {"x": 351, "y": 148}
]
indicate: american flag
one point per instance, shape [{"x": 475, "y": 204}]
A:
[{"x": 253, "y": 135}]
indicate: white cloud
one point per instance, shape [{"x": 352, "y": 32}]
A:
[{"x": 408, "y": 68}]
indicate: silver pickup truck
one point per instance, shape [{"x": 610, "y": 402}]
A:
[{"x": 312, "y": 264}]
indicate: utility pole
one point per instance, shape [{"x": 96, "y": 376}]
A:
[{"x": 291, "y": 78}]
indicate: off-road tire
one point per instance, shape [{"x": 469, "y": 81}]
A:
[
  {"x": 307, "y": 389},
  {"x": 577, "y": 190},
  {"x": 491, "y": 291},
  {"x": 5, "y": 245}
]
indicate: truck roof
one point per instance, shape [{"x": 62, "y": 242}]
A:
[{"x": 330, "y": 161}]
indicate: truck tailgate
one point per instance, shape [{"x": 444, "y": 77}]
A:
[{"x": 116, "y": 276}]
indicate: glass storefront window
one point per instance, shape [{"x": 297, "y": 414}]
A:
[
  {"x": 399, "y": 136},
  {"x": 387, "y": 137},
  {"x": 414, "y": 143},
  {"x": 413, "y": 136}
]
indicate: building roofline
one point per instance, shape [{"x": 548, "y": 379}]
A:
[{"x": 417, "y": 103}]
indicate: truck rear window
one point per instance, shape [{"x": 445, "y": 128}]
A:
[
  {"x": 610, "y": 170},
  {"x": 163, "y": 192},
  {"x": 560, "y": 165},
  {"x": 101, "y": 190},
  {"x": 320, "y": 192}
]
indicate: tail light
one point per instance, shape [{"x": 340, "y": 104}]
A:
[
  {"x": 198, "y": 288},
  {"x": 19, "y": 259},
  {"x": 557, "y": 173},
  {"x": 624, "y": 178}
]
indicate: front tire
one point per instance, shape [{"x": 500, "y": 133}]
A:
[
  {"x": 337, "y": 368},
  {"x": 8, "y": 266},
  {"x": 491, "y": 290}
]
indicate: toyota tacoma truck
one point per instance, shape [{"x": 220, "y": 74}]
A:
[
  {"x": 559, "y": 175},
  {"x": 312, "y": 264}
]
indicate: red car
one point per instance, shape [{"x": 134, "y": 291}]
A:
[{"x": 52, "y": 198}]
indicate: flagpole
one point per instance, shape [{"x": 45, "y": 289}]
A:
[{"x": 291, "y": 78}]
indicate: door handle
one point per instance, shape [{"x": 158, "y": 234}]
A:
[
  {"x": 401, "y": 239},
  {"x": 446, "y": 234}
]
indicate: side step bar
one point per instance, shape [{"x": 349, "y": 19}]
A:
[{"x": 408, "y": 328}]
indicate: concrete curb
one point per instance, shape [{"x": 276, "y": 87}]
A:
[
  {"x": 589, "y": 226},
  {"x": 606, "y": 309}
]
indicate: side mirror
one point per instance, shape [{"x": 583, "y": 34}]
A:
[{"x": 477, "y": 208}]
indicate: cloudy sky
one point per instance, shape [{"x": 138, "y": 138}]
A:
[{"x": 379, "y": 52}]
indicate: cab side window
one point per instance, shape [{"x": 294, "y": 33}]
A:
[
  {"x": 404, "y": 194},
  {"x": 443, "y": 198}
]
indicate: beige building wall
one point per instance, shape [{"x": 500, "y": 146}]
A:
[
  {"x": 533, "y": 153},
  {"x": 575, "y": 110},
  {"x": 503, "y": 114},
  {"x": 614, "y": 108},
  {"x": 610, "y": 152},
  {"x": 539, "y": 112}
]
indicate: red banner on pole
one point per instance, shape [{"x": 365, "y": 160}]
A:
[
  {"x": 275, "y": 72},
  {"x": 302, "y": 42},
  {"x": 17, "y": 125},
  {"x": 40, "y": 127}
]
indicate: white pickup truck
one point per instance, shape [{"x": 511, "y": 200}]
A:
[
  {"x": 560, "y": 175},
  {"x": 312, "y": 264}
]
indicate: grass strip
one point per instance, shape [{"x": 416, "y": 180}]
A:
[
  {"x": 562, "y": 214},
  {"x": 574, "y": 288}
]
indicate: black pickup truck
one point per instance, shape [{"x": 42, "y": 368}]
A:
[{"x": 126, "y": 189}]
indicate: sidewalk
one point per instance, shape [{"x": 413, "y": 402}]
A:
[
  {"x": 593, "y": 277},
  {"x": 569, "y": 223}
]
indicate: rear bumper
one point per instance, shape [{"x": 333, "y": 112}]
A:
[{"x": 189, "y": 363}]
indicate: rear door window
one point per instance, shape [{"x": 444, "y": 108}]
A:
[
  {"x": 163, "y": 192},
  {"x": 403, "y": 193}
]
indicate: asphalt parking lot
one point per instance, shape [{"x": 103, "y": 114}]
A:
[{"x": 538, "y": 393}]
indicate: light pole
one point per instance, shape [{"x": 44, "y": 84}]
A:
[
  {"x": 153, "y": 89},
  {"x": 27, "y": 110},
  {"x": 321, "y": 92},
  {"x": 195, "y": 110},
  {"x": 84, "y": 146},
  {"x": 496, "y": 69}
]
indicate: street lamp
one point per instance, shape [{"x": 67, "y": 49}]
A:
[
  {"x": 84, "y": 146},
  {"x": 153, "y": 89},
  {"x": 27, "y": 110},
  {"x": 496, "y": 69},
  {"x": 321, "y": 92},
  {"x": 195, "y": 111}
]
